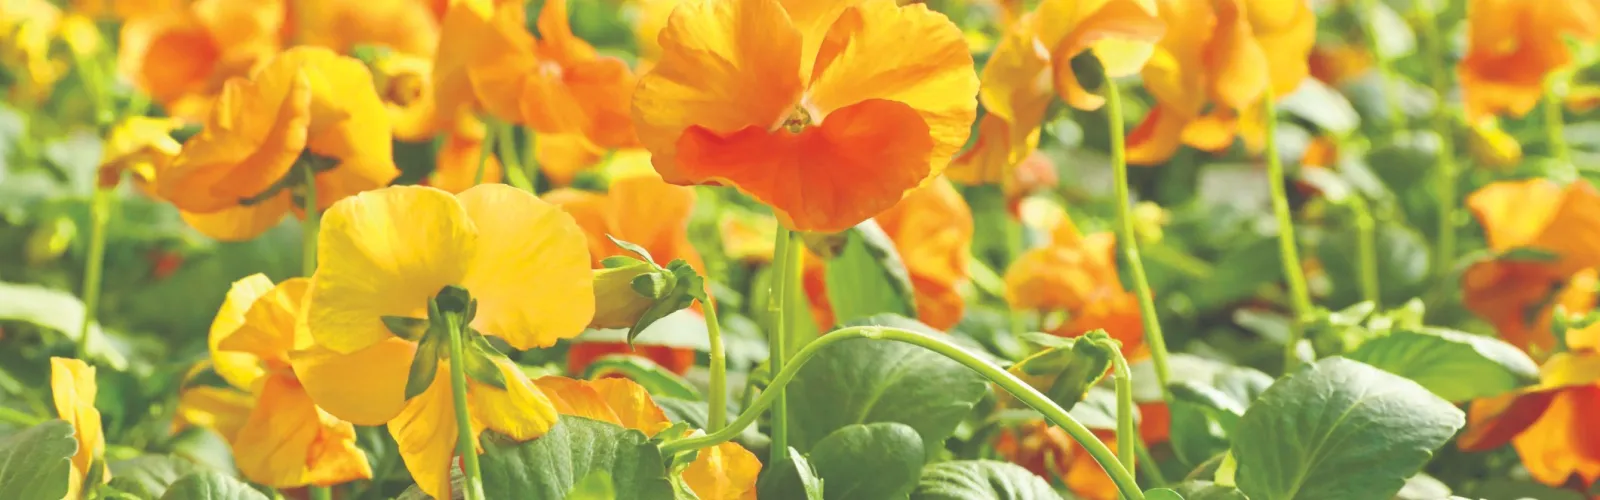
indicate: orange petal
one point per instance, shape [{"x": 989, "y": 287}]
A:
[
  {"x": 725, "y": 66},
  {"x": 1156, "y": 138},
  {"x": 723, "y": 472},
  {"x": 675, "y": 359},
  {"x": 288, "y": 442},
  {"x": 1237, "y": 64},
  {"x": 1017, "y": 90},
  {"x": 1212, "y": 132},
  {"x": 456, "y": 166},
  {"x": 221, "y": 409},
  {"x": 1563, "y": 442},
  {"x": 1514, "y": 212},
  {"x": 577, "y": 398},
  {"x": 532, "y": 280},
  {"x": 1574, "y": 231},
  {"x": 426, "y": 434},
  {"x": 238, "y": 368},
  {"x": 520, "y": 411},
  {"x": 859, "y": 162},
  {"x": 655, "y": 215},
  {"x": 239, "y": 154},
  {"x": 932, "y": 230},
  {"x": 1122, "y": 34},
  {"x": 910, "y": 55},
  {"x": 562, "y": 156},
  {"x": 632, "y": 404},
  {"x": 243, "y": 222}
]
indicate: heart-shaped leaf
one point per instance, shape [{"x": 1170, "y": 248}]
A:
[
  {"x": 553, "y": 464},
  {"x": 1457, "y": 366},
  {"x": 36, "y": 462},
  {"x": 964, "y": 479},
  {"x": 880, "y": 460}
]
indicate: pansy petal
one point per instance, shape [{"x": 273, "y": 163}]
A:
[
  {"x": 456, "y": 166},
  {"x": 382, "y": 368},
  {"x": 1156, "y": 138},
  {"x": 910, "y": 55},
  {"x": 238, "y": 368},
  {"x": 1573, "y": 232},
  {"x": 725, "y": 66},
  {"x": 577, "y": 398},
  {"x": 224, "y": 410},
  {"x": 521, "y": 410},
  {"x": 72, "y": 387},
  {"x": 726, "y": 471},
  {"x": 287, "y": 443},
  {"x": 1236, "y": 63},
  {"x": 651, "y": 213},
  {"x": 532, "y": 280},
  {"x": 269, "y": 324},
  {"x": 426, "y": 434},
  {"x": 386, "y": 253},
  {"x": 1563, "y": 441},
  {"x": 242, "y": 222},
  {"x": 632, "y": 404}
]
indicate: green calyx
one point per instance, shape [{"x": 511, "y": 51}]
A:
[
  {"x": 1067, "y": 368},
  {"x": 634, "y": 292},
  {"x": 450, "y": 312}
]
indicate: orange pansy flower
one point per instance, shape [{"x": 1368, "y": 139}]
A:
[
  {"x": 1513, "y": 45},
  {"x": 1078, "y": 275},
  {"x": 827, "y": 110},
  {"x": 555, "y": 83},
  {"x": 237, "y": 178},
  {"x": 1226, "y": 53},
  {"x": 723, "y": 472},
  {"x": 1038, "y": 446},
  {"x": 182, "y": 57},
  {"x": 932, "y": 231}
]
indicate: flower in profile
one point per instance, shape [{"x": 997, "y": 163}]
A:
[
  {"x": 1077, "y": 274},
  {"x": 554, "y": 83},
  {"x": 393, "y": 261},
  {"x": 73, "y": 388},
  {"x": 723, "y": 472},
  {"x": 1212, "y": 68},
  {"x": 932, "y": 231},
  {"x": 1512, "y": 47},
  {"x": 827, "y": 111},
  {"x": 286, "y": 441},
  {"x": 1542, "y": 234},
  {"x": 140, "y": 146},
  {"x": 307, "y": 108}
]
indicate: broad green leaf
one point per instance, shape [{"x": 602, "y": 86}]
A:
[
  {"x": 791, "y": 478},
  {"x": 1206, "y": 490},
  {"x": 1205, "y": 413},
  {"x": 36, "y": 462},
  {"x": 149, "y": 475},
  {"x": 59, "y": 311},
  {"x": 595, "y": 486},
  {"x": 1339, "y": 429},
  {"x": 861, "y": 381},
  {"x": 551, "y": 465},
  {"x": 968, "y": 479},
  {"x": 880, "y": 460},
  {"x": 868, "y": 277},
  {"x": 211, "y": 485},
  {"x": 1456, "y": 366},
  {"x": 647, "y": 373}
]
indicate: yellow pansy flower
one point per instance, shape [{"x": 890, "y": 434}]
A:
[
  {"x": 73, "y": 389},
  {"x": 389, "y": 256}
]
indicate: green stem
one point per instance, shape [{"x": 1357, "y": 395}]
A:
[
  {"x": 484, "y": 150},
  {"x": 319, "y": 492},
  {"x": 1129, "y": 242},
  {"x": 1367, "y": 249},
  {"x": 1127, "y": 433},
  {"x": 1007, "y": 382},
  {"x": 509, "y": 162},
  {"x": 1385, "y": 66},
  {"x": 717, "y": 404},
  {"x": 466, "y": 442},
  {"x": 1299, "y": 295},
  {"x": 310, "y": 227},
  {"x": 1554, "y": 126},
  {"x": 782, "y": 258},
  {"x": 99, "y": 216},
  {"x": 1445, "y": 166},
  {"x": 1152, "y": 474}
]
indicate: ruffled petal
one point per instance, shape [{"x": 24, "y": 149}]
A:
[
  {"x": 1512, "y": 213},
  {"x": 456, "y": 166},
  {"x": 269, "y": 324},
  {"x": 238, "y": 368},
  {"x": 386, "y": 253},
  {"x": 1156, "y": 138},
  {"x": 242, "y": 222},
  {"x": 576, "y": 398},
  {"x": 532, "y": 279},
  {"x": 723, "y": 472},
  {"x": 426, "y": 434},
  {"x": 72, "y": 387},
  {"x": 366, "y": 387},
  {"x": 288, "y": 442},
  {"x": 1563, "y": 442},
  {"x": 1236, "y": 63},
  {"x": 520, "y": 411},
  {"x": 632, "y": 405}
]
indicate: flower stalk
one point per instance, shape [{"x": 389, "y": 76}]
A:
[
  {"x": 1128, "y": 241},
  {"x": 509, "y": 161},
  {"x": 1445, "y": 162},
  {"x": 312, "y": 223},
  {"x": 1127, "y": 433},
  {"x": 1554, "y": 125},
  {"x": 784, "y": 252},
  {"x": 717, "y": 404},
  {"x": 99, "y": 216},
  {"x": 1299, "y": 294},
  {"x": 1025, "y": 393},
  {"x": 466, "y": 442}
]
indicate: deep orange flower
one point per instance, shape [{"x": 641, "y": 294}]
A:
[
  {"x": 182, "y": 57},
  {"x": 456, "y": 166},
  {"x": 555, "y": 83},
  {"x": 932, "y": 231},
  {"x": 1038, "y": 446},
  {"x": 237, "y": 178},
  {"x": 1213, "y": 66},
  {"x": 827, "y": 110},
  {"x": 1514, "y": 292},
  {"x": 562, "y": 156},
  {"x": 1078, "y": 275},
  {"x": 1513, "y": 45}
]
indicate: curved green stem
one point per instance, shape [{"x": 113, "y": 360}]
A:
[
  {"x": 1007, "y": 382},
  {"x": 1299, "y": 294},
  {"x": 782, "y": 247},
  {"x": 717, "y": 404},
  {"x": 1152, "y": 474},
  {"x": 99, "y": 216},
  {"x": 1367, "y": 249},
  {"x": 1554, "y": 124},
  {"x": 1128, "y": 240},
  {"x": 485, "y": 149},
  {"x": 509, "y": 162},
  {"x": 310, "y": 227},
  {"x": 466, "y": 442},
  {"x": 1127, "y": 433},
  {"x": 1445, "y": 166}
]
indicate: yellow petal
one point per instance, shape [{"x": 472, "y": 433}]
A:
[
  {"x": 910, "y": 55},
  {"x": 1237, "y": 63},
  {"x": 288, "y": 442},
  {"x": 221, "y": 409},
  {"x": 72, "y": 387},
  {"x": 386, "y": 253},
  {"x": 723, "y": 472},
  {"x": 426, "y": 434},
  {"x": 632, "y": 404},
  {"x": 239, "y": 369},
  {"x": 1017, "y": 88},
  {"x": 577, "y": 398},
  {"x": 367, "y": 387},
  {"x": 269, "y": 325},
  {"x": 531, "y": 279},
  {"x": 520, "y": 411},
  {"x": 243, "y": 222}
]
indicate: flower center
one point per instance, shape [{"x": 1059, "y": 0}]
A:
[
  {"x": 404, "y": 89},
  {"x": 798, "y": 119}
]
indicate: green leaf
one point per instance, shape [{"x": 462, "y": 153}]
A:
[
  {"x": 595, "y": 486},
  {"x": 149, "y": 475},
  {"x": 868, "y": 277},
  {"x": 647, "y": 373},
  {"x": 1402, "y": 262},
  {"x": 1240, "y": 273},
  {"x": 791, "y": 478},
  {"x": 1339, "y": 429},
  {"x": 1206, "y": 490},
  {"x": 880, "y": 460},
  {"x": 550, "y": 466},
  {"x": 633, "y": 248},
  {"x": 968, "y": 479},
  {"x": 211, "y": 485},
  {"x": 36, "y": 462},
  {"x": 1456, "y": 366},
  {"x": 59, "y": 311},
  {"x": 1323, "y": 106},
  {"x": 860, "y": 381}
]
